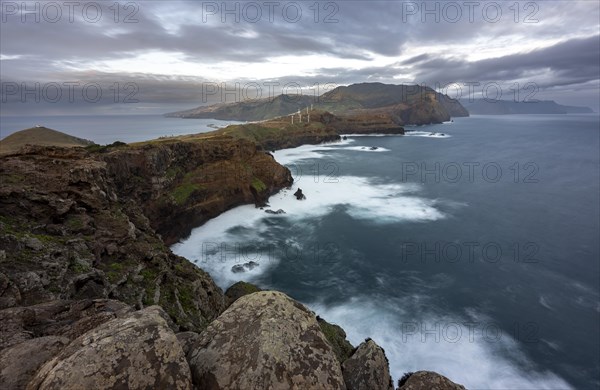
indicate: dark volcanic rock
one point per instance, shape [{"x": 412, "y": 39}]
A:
[
  {"x": 244, "y": 267},
  {"x": 68, "y": 319},
  {"x": 428, "y": 380},
  {"x": 278, "y": 212},
  {"x": 265, "y": 340},
  {"x": 367, "y": 368},
  {"x": 74, "y": 226},
  {"x": 299, "y": 195}
]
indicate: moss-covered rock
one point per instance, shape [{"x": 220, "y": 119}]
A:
[
  {"x": 337, "y": 339},
  {"x": 238, "y": 290}
]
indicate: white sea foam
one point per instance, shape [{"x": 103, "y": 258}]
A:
[
  {"x": 366, "y": 149},
  {"x": 544, "y": 302},
  {"x": 372, "y": 135},
  {"x": 440, "y": 343},
  {"x": 244, "y": 225},
  {"x": 359, "y": 197},
  {"x": 428, "y": 134}
]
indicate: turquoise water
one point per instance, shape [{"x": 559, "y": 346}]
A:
[{"x": 474, "y": 253}]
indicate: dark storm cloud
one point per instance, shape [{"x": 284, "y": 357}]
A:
[
  {"x": 571, "y": 62},
  {"x": 359, "y": 30}
]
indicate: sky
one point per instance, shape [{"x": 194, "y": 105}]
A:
[{"x": 147, "y": 57}]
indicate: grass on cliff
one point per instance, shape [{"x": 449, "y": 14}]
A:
[
  {"x": 182, "y": 192},
  {"x": 258, "y": 185}
]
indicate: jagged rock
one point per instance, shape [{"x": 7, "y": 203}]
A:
[
  {"x": 238, "y": 290},
  {"x": 264, "y": 340},
  {"x": 33, "y": 243},
  {"x": 187, "y": 340},
  {"x": 74, "y": 227},
  {"x": 280, "y": 211},
  {"x": 373, "y": 148},
  {"x": 299, "y": 195},
  {"x": 68, "y": 319},
  {"x": 367, "y": 368},
  {"x": 19, "y": 363},
  {"x": 136, "y": 352},
  {"x": 251, "y": 265},
  {"x": 337, "y": 339},
  {"x": 427, "y": 380},
  {"x": 244, "y": 267}
]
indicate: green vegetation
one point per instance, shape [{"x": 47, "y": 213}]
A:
[
  {"x": 173, "y": 171},
  {"x": 74, "y": 223},
  {"x": 337, "y": 339},
  {"x": 79, "y": 268},
  {"x": 258, "y": 185},
  {"x": 182, "y": 192},
  {"x": 149, "y": 274},
  {"x": 186, "y": 298},
  {"x": 12, "y": 179}
]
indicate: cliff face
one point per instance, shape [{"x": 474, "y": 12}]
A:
[
  {"x": 83, "y": 225},
  {"x": 181, "y": 185}
]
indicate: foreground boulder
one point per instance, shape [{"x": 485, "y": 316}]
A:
[
  {"x": 427, "y": 380},
  {"x": 264, "y": 340},
  {"x": 139, "y": 351},
  {"x": 367, "y": 368},
  {"x": 19, "y": 363}
]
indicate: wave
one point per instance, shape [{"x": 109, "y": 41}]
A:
[
  {"x": 238, "y": 229},
  {"x": 415, "y": 340},
  {"x": 428, "y": 134}
]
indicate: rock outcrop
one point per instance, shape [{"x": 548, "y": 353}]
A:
[
  {"x": 30, "y": 336},
  {"x": 265, "y": 340},
  {"x": 139, "y": 351},
  {"x": 428, "y": 380},
  {"x": 79, "y": 225},
  {"x": 367, "y": 368}
]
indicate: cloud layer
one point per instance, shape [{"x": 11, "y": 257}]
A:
[{"x": 169, "y": 48}]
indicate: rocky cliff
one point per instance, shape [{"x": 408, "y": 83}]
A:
[
  {"x": 91, "y": 296},
  {"x": 387, "y": 104}
]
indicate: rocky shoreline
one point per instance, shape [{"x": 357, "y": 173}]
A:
[{"x": 89, "y": 287}]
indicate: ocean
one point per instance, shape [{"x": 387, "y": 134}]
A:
[
  {"x": 469, "y": 248},
  {"x": 106, "y": 129}
]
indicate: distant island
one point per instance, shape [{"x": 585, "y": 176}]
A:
[
  {"x": 398, "y": 104},
  {"x": 507, "y": 107}
]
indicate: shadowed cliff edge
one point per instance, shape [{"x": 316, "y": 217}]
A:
[{"x": 92, "y": 297}]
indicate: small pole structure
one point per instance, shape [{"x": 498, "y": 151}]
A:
[{"x": 292, "y": 118}]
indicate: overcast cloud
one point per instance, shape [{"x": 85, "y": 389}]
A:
[{"x": 162, "y": 53}]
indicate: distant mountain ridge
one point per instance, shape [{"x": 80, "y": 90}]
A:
[
  {"x": 507, "y": 107},
  {"x": 402, "y": 104}
]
